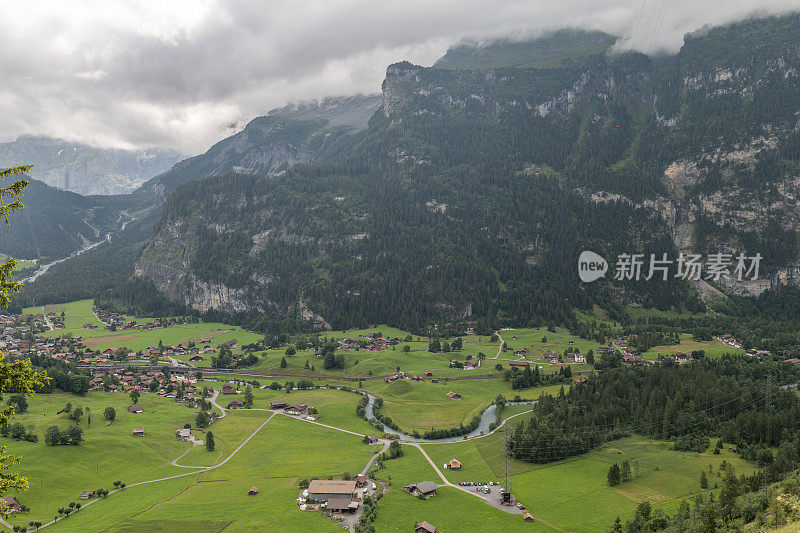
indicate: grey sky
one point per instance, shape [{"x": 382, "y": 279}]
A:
[{"x": 183, "y": 74}]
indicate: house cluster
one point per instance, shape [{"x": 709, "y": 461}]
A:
[
  {"x": 335, "y": 496},
  {"x": 370, "y": 341},
  {"x": 467, "y": 326},
  {"x": 178, "y": 387},
  {"x": 299, "y": 409},
  {"x": 468, "y": 364},
  {"x": 729, "y": 340},
  {"x": 118, "y": 321},
  {"x": 678, "y": 357}
]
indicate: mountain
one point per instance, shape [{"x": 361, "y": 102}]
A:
[
  {"x": 85, "y": 169},
  {"x": 271, "y": 144},
  {"x": 55, "y": 223},
  {"x": 554, "y": 50},
  {"x": 473, "y": 188}
]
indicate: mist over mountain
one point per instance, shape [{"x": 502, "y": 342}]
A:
[{"x": 84, "y": 169}]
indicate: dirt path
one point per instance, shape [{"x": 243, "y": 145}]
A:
[{"x": 199, "y": 470}]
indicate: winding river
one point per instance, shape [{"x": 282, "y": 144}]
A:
[{"x": 488, "y": 417}]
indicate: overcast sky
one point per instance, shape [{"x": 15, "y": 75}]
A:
[{"x": 184, "y": 74}]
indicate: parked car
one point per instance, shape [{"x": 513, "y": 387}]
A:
[{"x": 520, "y": 506}]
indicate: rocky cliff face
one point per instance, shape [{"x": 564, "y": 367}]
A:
[{"x": 84, "y": 169}]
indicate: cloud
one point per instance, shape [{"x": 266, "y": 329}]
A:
[{"x": 179, "y": 73}]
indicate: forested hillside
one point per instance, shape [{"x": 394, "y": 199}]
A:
[{"x": 476, "y": 184}]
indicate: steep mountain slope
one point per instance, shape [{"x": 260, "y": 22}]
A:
[
  {"x": 83, "y": 169},
  {"x": 56, "y": 223},
  {"x": 270, "y": 144},
  {"x": 473, "y": 190}
]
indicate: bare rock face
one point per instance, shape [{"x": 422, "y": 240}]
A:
[{"x": 84, "y": 169}]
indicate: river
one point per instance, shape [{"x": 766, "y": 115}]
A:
[
  {"x": 86, "y": 247},
  {"x": 488, "y": 417}
]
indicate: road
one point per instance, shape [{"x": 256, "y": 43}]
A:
[{"x": 385, "y": 442}]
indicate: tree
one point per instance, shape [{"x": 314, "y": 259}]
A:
[
  {"x": 614, "y": 475},
  {"x": 284, "y": 364},
  {"x": 703, "y": 480},
  {"x": 73, "y": 435},
  {"x": 729, "y": 493},
  {"x": 19, "y": 402},
  {"x": 625, "y": 472},
  {"x": 248, "y": 397},
  {"x": 52, "y": 437},
  {"x": 434, "y": 346},
  {"x": 202, "y": 419},
  {"x": 290, "y": 350},
  {"x": 210, "y": 441},
  {"x": 406, "y": 348},
  {"x": 134, "y": 396},
  {"x": 110, "y": 414},
  {"x": 15, "y": 376}
]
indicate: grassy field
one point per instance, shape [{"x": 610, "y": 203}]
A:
[
  {"x": 58, "y": 474},
  {"x": 713, "y": 348},
  {"x": 81, "y": 312},
  {"x": 531, "y": 340}
]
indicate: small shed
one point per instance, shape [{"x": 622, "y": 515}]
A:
[
  {"x": 424, "y": 527},
  {"x": 528, "y": 517},
  {"x": 85, "y": 495},
  {"x": 138, "y": 432},
  {"x": 253, "y": 491},
  {"x": 136, "y": 408}
]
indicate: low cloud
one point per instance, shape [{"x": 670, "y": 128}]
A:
[{"x": 183, "y": 74}]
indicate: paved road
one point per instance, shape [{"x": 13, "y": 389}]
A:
[{"x": 386, "y": 444}]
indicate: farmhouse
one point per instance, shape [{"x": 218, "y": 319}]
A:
[
  {"x": 85, "y": 495},
  {"x": 453, "y": 464},
  {"x": 361, "y": 481},
  {"x": 228, "y": 389},
  {"x": 11, "y": 504},
  {"x": 236, "y": 403},
  {"x": 299, "y": 409},
  {"x": 342, "y": 505},
  {"x": 322, "y": 490},
  {"x": 196, "y": 357},
  {"x": 424, "y": 527},
  {"x": 453, "y": 395},
  {"x": 138, "y": 432},
  {"x": 278, "y": 405},
  {"x": 423, "y": 489},
  {"x": 183, "y": 434},
  {"x": 135, "y": 408}
]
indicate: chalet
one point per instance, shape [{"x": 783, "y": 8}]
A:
[
  {"x": 472, "y": 363},
  {"x": 299, "y": 409},
  {"x": 341, "y": 505},
  {"x": 138, "y": 432},
  {"x": 196, "y": 357},
  {"x": 424, "y": 489},
  {"x": 453, "y": 395},
  {"x": 554, "y": 359},
  {"x": 793, "y": 361},
  {"x": 183, "y": 434},
  {"x": 85, "y": 495},
  {"x": 278, "y": 405},
  {"x": 11, "y": 504},
  {"x": 361, "y": 481},
  {"x": 373, "y": 439},
  {"x": 322, "y": 490},
  {"x": 136, "y": 408},
  {"x": 521, "y": 353},
  {"x": 253, "y": 491},
  {"x": 228, "y": 389},
  {"x": 580, "y": 358},
  {"x": 580, "y": 380},
  {"x": 424, "y": 527},
  {"x": 236, "y": 403},
  {"x": 453, "y": 464}
]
